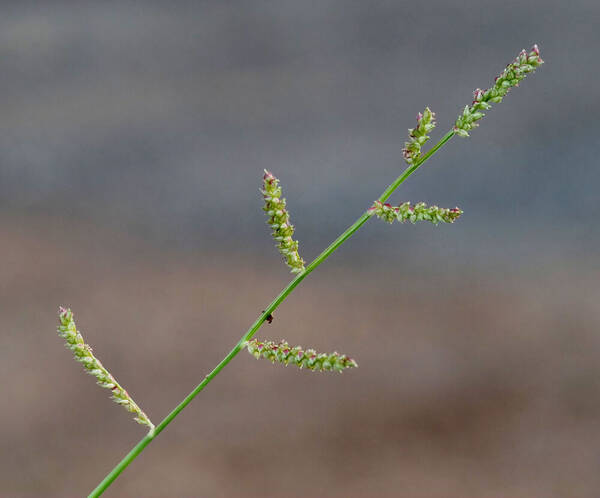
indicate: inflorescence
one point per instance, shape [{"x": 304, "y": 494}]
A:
[
  {"x": 282, "y": 352},
  {"x": 418, "y": 135},
  {"x": 413, "y": 213},
  {"x": 83, "y": 354},
  {"x": 283, "y": 230},
  {"x": 279, "y": 221},
  {"x": 524, "y": 64}
]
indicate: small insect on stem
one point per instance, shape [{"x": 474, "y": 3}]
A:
[{"x": 269, "y": 317}]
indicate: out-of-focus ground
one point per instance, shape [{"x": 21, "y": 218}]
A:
[{"x": 483, "y": 385}]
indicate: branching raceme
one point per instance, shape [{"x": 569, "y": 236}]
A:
[
  {"x": 279, "y": 220},
  {"x": 282, "y": 352},
  {"x": 83, "y": 354}
]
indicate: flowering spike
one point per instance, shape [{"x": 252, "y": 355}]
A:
[
  {"x": 413, "y": 213},
  {"x": 282, "y": 352},
  {"x": 418, "y": 135},
  {"x": 279, "y": 221},
  {"x": 83, "y": 354},
  {"x": 524, "y": 64}
]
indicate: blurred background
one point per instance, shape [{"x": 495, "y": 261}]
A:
[{"x": 133, "y": 136}]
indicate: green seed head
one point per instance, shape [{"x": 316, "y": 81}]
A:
[
  {"x": 525, "y": 63},
  {"x": 83, "y": 354}
]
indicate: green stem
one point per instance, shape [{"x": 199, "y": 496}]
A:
[{"x": 138, "y": 448}]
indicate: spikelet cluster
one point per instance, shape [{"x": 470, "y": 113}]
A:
[
  {"x": 413, "y": 213},
  {"x": 83, "y": 354},
  {"x": 418, "y": 135},
  {"x": 282, "y": 352},
  {"x": 279, "y": 221},
  {"x": 525, "y": 63}
]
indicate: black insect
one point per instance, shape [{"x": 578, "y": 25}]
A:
[{"x": 269, "y": 317}]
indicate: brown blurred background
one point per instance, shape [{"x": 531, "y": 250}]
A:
[{"x": 133, "y": 137}]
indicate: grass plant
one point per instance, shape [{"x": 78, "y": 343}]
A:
[{"x": 278, "y": 219}]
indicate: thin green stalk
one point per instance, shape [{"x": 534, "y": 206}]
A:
[{"x": 138, "y": 448}]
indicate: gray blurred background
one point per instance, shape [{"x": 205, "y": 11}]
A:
[{"x": 133, "y": 136}]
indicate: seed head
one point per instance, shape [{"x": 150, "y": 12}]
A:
[
  {"x": 83, "y": 354},
  {"x": 524, "y": 63},
  {"x": 413, "y": 213},
  {"x": 279, "y": 220},
  {"x": 418, "y": 135},
  {"x": 282, "y": 352}
]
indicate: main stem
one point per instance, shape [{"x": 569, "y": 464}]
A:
[{"x": 138, "y": 448}]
